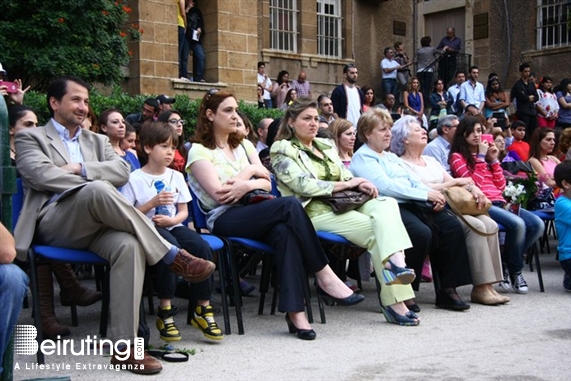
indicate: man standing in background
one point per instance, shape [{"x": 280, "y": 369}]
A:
[
  {"x": 450, "y": 45},
  {"x": 302, "y": 85}
]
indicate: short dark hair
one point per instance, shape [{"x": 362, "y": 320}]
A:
[
  {"x": 261, "y": 63},
  {"x": 562, "y": 172},
  {"x": 459, "y": 72},
  {"x": 153, "y": 103},
  {"x": 472, "y": 68},
  {"x": 425, "y": 41},
  {"x": 58, "y": 88},
  {"x": 347, "y": 67},
  {"x": 524, "y": 66},
  {"x": 153, "y": 133},
  {"x": 320, "y": 98},
  {"x": 386, "y": 50},
  {"x": 516, "y": 124}
]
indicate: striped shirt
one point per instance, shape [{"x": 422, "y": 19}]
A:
[{"x": 488, "y": 177}]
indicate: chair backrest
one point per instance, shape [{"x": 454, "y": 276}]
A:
[
  {"x": 274, "y": 190},
  {"x": 17, "y": 202},
  {"x": 198, "y": 217}
]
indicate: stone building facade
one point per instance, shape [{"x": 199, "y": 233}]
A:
[{"x": 498, "y": 36}]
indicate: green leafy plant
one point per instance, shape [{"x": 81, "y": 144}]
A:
[
  {"x": 41, "y": 39},
  {"x": 129, "y": 104}
]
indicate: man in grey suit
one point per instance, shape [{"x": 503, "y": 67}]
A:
[{"x": 70, "y": 177}]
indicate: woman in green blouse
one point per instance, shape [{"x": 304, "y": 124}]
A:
[{"x": 309, "y": 167}]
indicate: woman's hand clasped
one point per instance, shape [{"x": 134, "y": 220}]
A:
[
  {"x": 233, "y": 191},
  {"x": 368, "y": 188},
  {"x": 438, "y": 200}
]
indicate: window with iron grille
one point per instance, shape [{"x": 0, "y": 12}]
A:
[
  {"x": 329, "y": 32},
  {"x": 283, "y": 25},
  {"x": 553, "y": 23}
]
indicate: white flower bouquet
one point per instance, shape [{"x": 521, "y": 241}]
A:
[{"x": 515, "y": 193}]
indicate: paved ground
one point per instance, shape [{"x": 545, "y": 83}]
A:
[{"x": 528, "y": 339}]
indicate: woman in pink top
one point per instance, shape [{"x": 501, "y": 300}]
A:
[
  {"x": 470, "y": 156},
  {"x": 541, "y": 145}
]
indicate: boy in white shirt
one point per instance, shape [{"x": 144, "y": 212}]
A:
[{"x": 159, "y": 140}]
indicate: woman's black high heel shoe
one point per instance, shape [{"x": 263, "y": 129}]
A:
[
  {"x": 398, "y": 275},
  {"x": 304, "y": 334},
  {"x": 351, "y": 300}
]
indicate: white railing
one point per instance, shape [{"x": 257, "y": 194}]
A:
[
  {"x": 329, "y": 28},
  {"x": 283, "y": 25},
  {"x": 553, "y": 27}
]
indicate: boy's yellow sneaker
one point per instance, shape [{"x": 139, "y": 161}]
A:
[{"x": 204, "y": 320}]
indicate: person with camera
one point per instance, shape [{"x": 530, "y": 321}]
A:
[{"x": 12, "y": 91}]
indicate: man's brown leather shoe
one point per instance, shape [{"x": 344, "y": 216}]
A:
[
  {"x": 191, "y": 268},
  {"x": 148, "y": 365}
]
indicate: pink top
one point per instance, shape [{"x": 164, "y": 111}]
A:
[
  {"x": 488, "y": 177},
  {"x": 549, "y": 166}
]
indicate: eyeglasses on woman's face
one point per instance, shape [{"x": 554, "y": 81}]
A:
[{"x": 176, "y": 121}]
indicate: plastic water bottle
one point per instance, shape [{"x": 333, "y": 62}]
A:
[{"x": 161, "y": 209}]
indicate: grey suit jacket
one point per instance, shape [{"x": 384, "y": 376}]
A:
[{"x": 40, "y": 152}]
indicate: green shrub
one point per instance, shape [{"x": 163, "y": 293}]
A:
[{"x": 128, "y": 104}]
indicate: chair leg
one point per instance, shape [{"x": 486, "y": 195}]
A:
[
  {"x": 36, "y": 301},
  {"x": 222, "y": 276},
  {"x": 105, "y": 289},
  {"x": 267, "y": 264},
  {"x": 534, "y": 252},
  {"x": 233, "y": 264},
  {"x": 307, "y": 293}
]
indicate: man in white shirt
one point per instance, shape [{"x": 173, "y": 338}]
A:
[
  {"x": 439, "y": 148},
  {"x": 472, "y": 92},
  {"x": 389, "y": 68},
  {"x": 347, "y": 98},
  {"x": 454, "y": 90},
  {"x": 266, "y": 83}
]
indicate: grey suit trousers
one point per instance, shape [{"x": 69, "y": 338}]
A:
[{"x": 98, "y": 218}]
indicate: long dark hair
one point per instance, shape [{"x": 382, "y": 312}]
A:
[
  {"x": 489, "y": 90},
  {"x": 204, "y": 133},
  {"x": 459, "y": 144},
  {"x": 535, "y": 141},
  {"x": 367, "y": 88},
  {"x": 280, "y": 78}
]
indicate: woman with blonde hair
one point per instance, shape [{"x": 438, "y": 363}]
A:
[
  {"x": 413, "y": 101},
  {"x": 309, "y": 168},
  {"x": 344, "y": 136}
]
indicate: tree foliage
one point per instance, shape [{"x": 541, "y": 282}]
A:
[{"x": 42, "y": 39}]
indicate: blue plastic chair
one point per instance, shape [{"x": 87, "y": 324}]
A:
[
  {"x": 219, "y": 244},
  {"x": 251, "y": 244},
  {"x": 58, "y": 254}
]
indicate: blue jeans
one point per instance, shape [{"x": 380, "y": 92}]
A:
[
  {"x": 197, "y": 60},
  {"x": 390, "y": 87},
  {"x": 521, "y": 232},
  {"x": 183, "y": 49},
  {"x": 13, "y": 288}
]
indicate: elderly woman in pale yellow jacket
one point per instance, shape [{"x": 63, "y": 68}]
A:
[{"x": 308, "y": 168}]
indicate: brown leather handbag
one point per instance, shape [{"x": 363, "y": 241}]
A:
[
  {"x": 463, "y": 203},
  {"x": 344, "y": 201}
]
